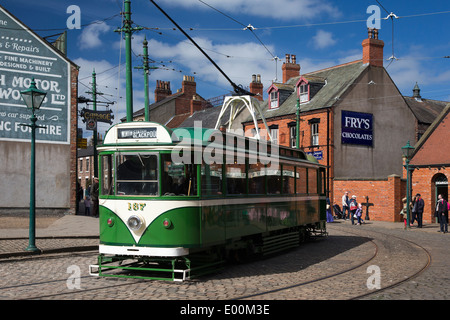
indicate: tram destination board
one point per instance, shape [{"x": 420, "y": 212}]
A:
[{"x": 137, "y": 133}]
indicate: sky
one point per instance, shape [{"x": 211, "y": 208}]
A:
[{"x": 321, "y": 33}]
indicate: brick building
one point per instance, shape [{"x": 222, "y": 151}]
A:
[
  {"x": 56, "y": 140},
  {"x": 430, "y": 164},
  {"x": 172, "y": 109},
  {"x": 355, "y": 121}
]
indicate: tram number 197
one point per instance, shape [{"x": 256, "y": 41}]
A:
[{"x": 136, "y": 206}]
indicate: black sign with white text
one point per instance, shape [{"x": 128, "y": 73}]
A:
[
  {"x": 141, "y": 133},
  {"x": 23, "y": 55},
  {"x": 357, "y": 128}
]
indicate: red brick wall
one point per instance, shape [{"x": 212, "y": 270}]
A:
[
  {"x": 423, "y": 182},
  {"x": 386, "y": 196}
]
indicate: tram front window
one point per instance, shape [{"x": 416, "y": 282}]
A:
[{"x": 137, "y": 174}]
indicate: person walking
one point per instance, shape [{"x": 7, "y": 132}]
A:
[
  {"x": 442, "y": 214},
  {"x": 94, "y": 196},
  {"x": 329, "y": 215},
  {"x": 353, "y": 206},
  {"x": 358, "y": 214},
  {"x": 345, "y": 205},
  {"x": 417, "y": 210},
  {"x": 87, "y": 206}
]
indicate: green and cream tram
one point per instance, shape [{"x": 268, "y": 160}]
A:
[{"x": 175, "y": 203}]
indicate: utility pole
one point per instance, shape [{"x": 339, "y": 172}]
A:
[
  {"x": 146, "y": 69},
  {"x": 94, "y": 107},
  {"x": 127, "y": 29}
]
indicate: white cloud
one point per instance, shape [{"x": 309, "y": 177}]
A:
[
  {"x": 90, "y": 37},
  {"x": 323, "y": 39},
  {"x": 280, "y": 9},
  {"x": 238, "y": 61}
]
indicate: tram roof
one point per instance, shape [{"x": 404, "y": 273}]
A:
[{"x": 152, "y": 133}]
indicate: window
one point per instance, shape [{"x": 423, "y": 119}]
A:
[
  {"x": 107, "y": 179},
  {"x": 274, "y": 133},
  {"x": 137, "y": 174},
  {"x": 212, "y": 179},
  {"x": 256, "y": 179},
  {"x": 288, "y": 179},
  {"x": 303, "y": 93},
  {"x": 236, "y": 178},
  {"x": 81, "y": 165},
  {"x": 274, "y": 99},
  {"x": 87, "y": 164},
  {"x": 314, "y": 134},
  {"x": 312, "y": 181},
  {"x": 293, "y": 136},
  {"x": 301, "y": 180},
  {"x": 177, "y": 179},
  {"x": 273, "y": 181}
]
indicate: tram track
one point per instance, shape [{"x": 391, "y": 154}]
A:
[
  {"x": 57, "y": 289},
  {"x": 261, "y": 295}
]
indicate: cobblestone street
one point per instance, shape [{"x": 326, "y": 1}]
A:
[{"x": 326, "y": 269}]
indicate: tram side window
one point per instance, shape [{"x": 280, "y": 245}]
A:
[
  {"x": 288, "y": 179},
  {"x": 256, "y": 179},
  {"x": 235, "y": 178},
  {"x": 312, "y": 181},
  {"x": 107, "y": 172},
  {"x": 212, "y": 179},
  {"x": 273, "y": 180},
  {"x": 301, "y": 180},
  {"x": 137, "y": 174},
  {"x": 177, "y": 179},
  {"x": 323, "y": 181}
]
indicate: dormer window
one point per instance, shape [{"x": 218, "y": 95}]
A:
[
  {"x": 303, "y": 92},
  {"x": 308, "y": 86},
  {"x": 274, "y": 102}
]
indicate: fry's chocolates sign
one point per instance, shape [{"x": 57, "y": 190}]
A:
[{"x": 357, "y": 128}]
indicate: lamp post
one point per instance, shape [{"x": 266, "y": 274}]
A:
[
  {"x": 33, "y": 99},
  {"x": 407, "y": 152}
]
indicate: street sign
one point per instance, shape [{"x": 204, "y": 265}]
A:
[
  {"x": 99, "y": 116},
  {"x": 91, "y": 125},
  {"x": 82, "y": 143}
]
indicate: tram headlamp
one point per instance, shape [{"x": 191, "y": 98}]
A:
[
  {"x": 110, "y": 222},
  {"x": 135, "y": 222},
  {"x": 167, "y": 223}
]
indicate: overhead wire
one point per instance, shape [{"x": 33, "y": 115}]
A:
[{"x": 248, "y": 27}]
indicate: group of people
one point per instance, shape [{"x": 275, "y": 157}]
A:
[
  {"x": 417, "y": 208},
  {"x": 351, "y": 210}
]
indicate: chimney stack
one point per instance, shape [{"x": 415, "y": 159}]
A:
[
  {"x": 256, "y": 87},
  {"x": 373, "y": 49},
  {"x": 162, "y": 90},
  {"x": 290, "y": 68},
  {"x": 188, "y": 86}
]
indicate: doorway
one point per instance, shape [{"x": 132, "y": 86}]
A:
[{"x": 441, "y": 187}]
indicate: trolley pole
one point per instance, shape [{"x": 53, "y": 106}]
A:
[
  {"x": 127, "y": 29},
  {"x": 146, "y": 69},
  {"x": 94, "y": 107}
]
